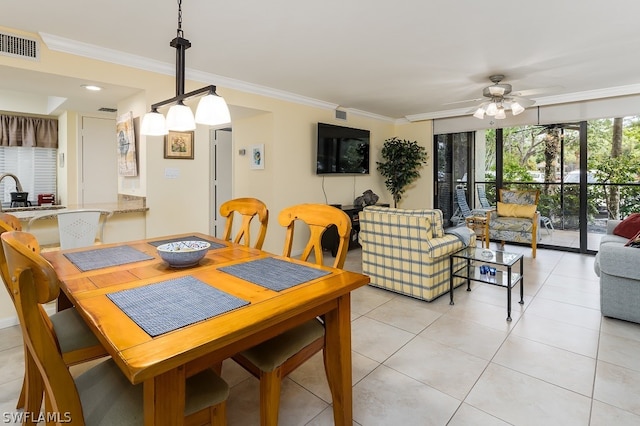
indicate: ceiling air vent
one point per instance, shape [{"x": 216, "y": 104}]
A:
[
  {"x": 105, "y": 109},
  {"x": 19, "y": 47}
]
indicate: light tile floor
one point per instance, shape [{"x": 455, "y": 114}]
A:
[{"x": 559, "y": 362}]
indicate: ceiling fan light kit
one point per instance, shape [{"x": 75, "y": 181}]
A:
[{"x": 500, "y": 100}]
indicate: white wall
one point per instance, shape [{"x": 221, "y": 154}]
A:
[{"x": 419, "y": 195}]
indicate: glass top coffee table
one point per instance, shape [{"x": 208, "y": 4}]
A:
[{"x": 490, "y": 267}]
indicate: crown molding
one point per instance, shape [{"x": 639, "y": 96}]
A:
[
  {"x": 368, "y": 114},
  {"x": 609, "y": 92},
  {"x": 78, "y": 48},
  {"x": 256, "y": 89},
  {"x": 438, "y": 114}
]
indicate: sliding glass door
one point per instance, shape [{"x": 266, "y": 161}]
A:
[
  {"x": 453, "y": 170},
  {"x": 587, "y": 173}
]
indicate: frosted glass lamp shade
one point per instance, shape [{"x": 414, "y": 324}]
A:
[
  {"x": 516, "y": 108},
  {"x": 492, "y": 109},
  {"x": 479, "y": 113},
  {"x": 180, "y": 118},
  {"x": 496, "y": 90},
  {"x": 153, "y": 124},
  {"x": 500, "y": 114},
  {"x": 212, "y": 110}
]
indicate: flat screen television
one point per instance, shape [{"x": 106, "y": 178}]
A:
[{"x": 342, "y": 150}]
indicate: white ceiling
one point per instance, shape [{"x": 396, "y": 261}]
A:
[{"x": 408, "y": 58}]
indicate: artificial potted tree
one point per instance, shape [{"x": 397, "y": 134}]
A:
[{"x": 402, "y": 161}]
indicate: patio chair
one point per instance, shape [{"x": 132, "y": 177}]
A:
[
  {"x": 482, "y": 197},
  {"x": 473, "y": 219},
  {"x": 463, "y": 211},
  {"x": 548, "y": 225}
]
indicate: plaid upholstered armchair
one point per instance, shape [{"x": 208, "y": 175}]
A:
[
  {"x": 407, "y": 251},
  {"x": 515, "y": 218}
]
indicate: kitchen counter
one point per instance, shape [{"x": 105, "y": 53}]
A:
[{"x": 124, "y": 205}]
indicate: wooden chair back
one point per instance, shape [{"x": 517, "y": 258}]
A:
[
  {"x": 34, "y": 283},
  {"x": 87, "y": 349},
  {"x": 10, "y": 220},
  {"x": 318, "y": 217},
  {"x": 247, "y": 208},
  {"x": 8, "y": 223}
]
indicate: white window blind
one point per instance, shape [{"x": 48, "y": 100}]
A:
[{"x": 34, "y": 167}]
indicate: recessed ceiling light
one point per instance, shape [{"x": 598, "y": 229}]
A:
[{"x": 92, "y": 87}]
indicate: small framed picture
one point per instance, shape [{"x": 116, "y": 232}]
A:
[
  {"x": 257, "y": 157},
  {"x": 179, "y": 145}
]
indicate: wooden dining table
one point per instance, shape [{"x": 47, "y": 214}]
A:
[{"x": 162, "y": 362}]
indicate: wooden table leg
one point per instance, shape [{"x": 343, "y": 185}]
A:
[
  {"x": 164, "y": 398},
  {"x": 63, "y": 302},
  {"x": 337, "y": 360},
  {"x": 486, "y": 233}
]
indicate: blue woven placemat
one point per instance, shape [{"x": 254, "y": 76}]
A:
[
  {"x": 172, "y": 304},
  {"x": 89, "y": 260},
  {"x": 191, "y": 238},
  {"x": 275, "y": 274}
]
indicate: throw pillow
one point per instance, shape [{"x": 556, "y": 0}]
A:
[
  {"x": 516, "y": 210},
  {"x": 634, "y": 241},
  {"x": 629, "y": 226}
]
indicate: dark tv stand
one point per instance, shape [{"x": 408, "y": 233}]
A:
[{"x": 330, "y": 236}]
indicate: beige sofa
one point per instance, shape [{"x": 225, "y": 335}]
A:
[{"x": 407, "y": 251}]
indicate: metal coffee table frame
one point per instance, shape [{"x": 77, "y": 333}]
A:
[{"x": 471, "y": 271}]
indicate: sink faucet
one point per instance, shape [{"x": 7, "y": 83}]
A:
[{"x": 15, "y": 178}]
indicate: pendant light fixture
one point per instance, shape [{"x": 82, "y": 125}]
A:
[{"x": 212, "y": 109}]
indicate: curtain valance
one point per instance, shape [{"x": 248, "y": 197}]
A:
[{"x": 28, "y": 131}]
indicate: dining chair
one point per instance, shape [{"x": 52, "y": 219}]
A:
[
  {"x": 10, "y": 222},
  {"x": 77, "y": 343},
  {"x": 247, "y": 208},
  {"x": 272, "y": 360},
  {"x": 102, "y": 395},
  {"x": 78, "y": 228}
]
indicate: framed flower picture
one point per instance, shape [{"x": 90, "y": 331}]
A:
[{"x": 178, "y": 145}]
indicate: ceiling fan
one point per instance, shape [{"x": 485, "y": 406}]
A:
[{"x": 500, "y": 99}]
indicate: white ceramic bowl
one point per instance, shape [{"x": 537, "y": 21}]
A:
[{"x": 181, "y": 254}]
